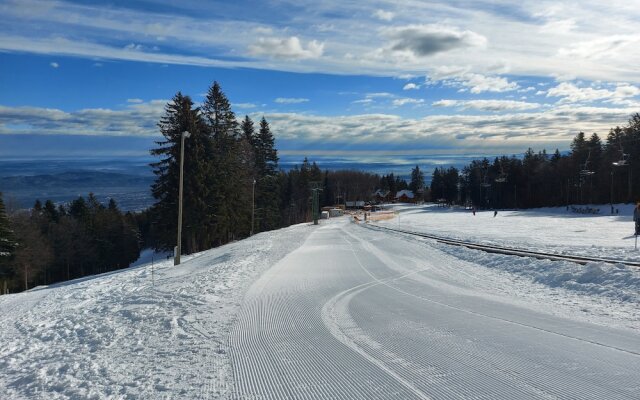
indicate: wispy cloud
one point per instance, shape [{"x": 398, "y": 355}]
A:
[
  {"x": 290, "y": 100},
  {"x": 406, "y": 100},
  {"x": 286, "y": 48},
  {"x": 571, "y": 93},
  {"x": 410, "y": 86},
  {"x": 383, "y": 15},
  {"x": 488, "y": 105},
  {"x": 245, "y": 105},
  {"x": 54, "y": 65}
]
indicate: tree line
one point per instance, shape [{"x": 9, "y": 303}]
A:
[
  {"x": 50, "y": 243},
  {"x": 592, "y": 172}
]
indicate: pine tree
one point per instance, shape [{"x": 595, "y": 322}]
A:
[
  {"x": 267, "y": 191},
  {"x": 7, "y": 248},
  {"x": 417, "y": 182},
  {"x": 180, "y": 116},
  {"x": 231, "y": 172}
]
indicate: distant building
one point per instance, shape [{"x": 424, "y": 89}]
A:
[
  {"x": 355, "y": 204},
  {"x": 405, "y": 196},
  {"x": 381, "y": 196}
]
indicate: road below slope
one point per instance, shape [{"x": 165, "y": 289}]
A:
[{"x": 359, "y": 314}]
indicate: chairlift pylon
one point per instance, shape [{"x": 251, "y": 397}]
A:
[
  {"x": 503, "y": 176},
  {"x": 585, "y": 171},
  {"x": 624, "y": 158}
]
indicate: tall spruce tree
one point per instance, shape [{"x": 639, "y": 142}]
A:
[
  {"x": 417, "y": 183},
  {"x": 266, "y": 164},
  {"x": 180, "y": 116},
  {"x": 231, "y": 172},
  {"x": 7, "y": 248}
]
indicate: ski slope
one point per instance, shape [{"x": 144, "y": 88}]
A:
[
  {"x": 141, "y": 333},
  {"x": 357, "y": 313},
  {"x": 336, "y": 311}
]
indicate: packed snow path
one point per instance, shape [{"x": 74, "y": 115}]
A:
[{"x": 359, "y": 314}]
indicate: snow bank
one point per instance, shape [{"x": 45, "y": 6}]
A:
[{"x": 145, "y": 332}]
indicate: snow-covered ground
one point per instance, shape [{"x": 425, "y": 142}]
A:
[
  {"x": 344, "y": 310},
  {"x": 138, "y": 333},
  {"x": 544, "y": 229},
  {"x": 601, "y": 293}
]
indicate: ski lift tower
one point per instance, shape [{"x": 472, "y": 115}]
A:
[
  {"x": 500, "y": 179},
  {"x": 585, "y": 173},
  {"x": 624, "y": 161},
  {"x": 485, "y": 184},
  {"x": 316, "y": 188}
]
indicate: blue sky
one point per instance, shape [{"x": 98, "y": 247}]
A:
[{"x": 333, "y": 77}]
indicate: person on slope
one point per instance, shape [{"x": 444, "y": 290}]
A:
[{"x": 636, "y": 217}]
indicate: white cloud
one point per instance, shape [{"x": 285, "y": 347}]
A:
[
  {"x": 54, "y": 65},
  {"x": 406, "y": 100},
  {"x": 488, "y": 105},
  {"x": 133, "y": 47},
  {"x": 286, "y": 48},
  {"x": 383, "y": 15},
  {"x": 605, "y": 47},
  {"x": 411, "y": 86},
  {"x": 135, "y": 101},
  {"x": 379, "y": 94},
  {"x": 244, "y": 105},
  {"x": 478, "y": 83},
  {"x": 290, "y": 100},
  {"x": 571, "y": 93}
]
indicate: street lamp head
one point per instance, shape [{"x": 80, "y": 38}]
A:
[{"x": 186, "y": 134}]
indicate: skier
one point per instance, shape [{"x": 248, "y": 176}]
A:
[
  {"x": 636, "y": 218},
  {"x": 495, "y": 212},
  {"x": 474, "y": 211}
]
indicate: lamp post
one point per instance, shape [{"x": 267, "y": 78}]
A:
[
  {"x": 611, "y": 194},
  {"x": 253, "y": 205},
  {"x": 178, "y": 249}
]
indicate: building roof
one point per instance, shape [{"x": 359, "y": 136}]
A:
[
  {"x": 381, "y": 193},
  {"x": 407, "y": 193}
]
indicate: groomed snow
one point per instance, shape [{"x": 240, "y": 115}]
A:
[
  {"x": 601, "y": 293},
  {"x": 140, "y": 333},
  {"x": 344, "y": 310}
]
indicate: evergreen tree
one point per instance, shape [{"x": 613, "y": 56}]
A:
[
  {"x": 7, "y": 248},
  {"x": 231, "y": 172},
  {"x": 180, "y": 116},
  {"x": 266, "y": 166},
  {"x": 417, "y": 182}
]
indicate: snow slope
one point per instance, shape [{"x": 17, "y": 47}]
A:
[
  {"x": 337, "y": 311},
  {"x": 357, "y": 313},
  {"x": 138, "y": 333}
]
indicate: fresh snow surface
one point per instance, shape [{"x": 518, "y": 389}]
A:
[
  {"x": 337, "y": 311},
  {"x": 140, "y": 333},
  {"x": 359, "y": 313},
  {"x": 601, "y": 293}
]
